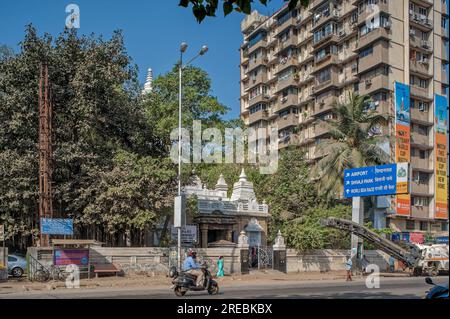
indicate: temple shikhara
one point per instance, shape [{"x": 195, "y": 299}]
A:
[{"x": 222, "y": 218}]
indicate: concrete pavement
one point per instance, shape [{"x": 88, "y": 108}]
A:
[{"x": 390, "y": 288}]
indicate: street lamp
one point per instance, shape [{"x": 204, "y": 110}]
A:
[{"x": 183, "y": 48}]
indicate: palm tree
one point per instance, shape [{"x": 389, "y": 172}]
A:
[{"x": 354, "y": 141}]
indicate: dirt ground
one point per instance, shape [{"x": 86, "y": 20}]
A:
[{"x": 23, "y": 284}]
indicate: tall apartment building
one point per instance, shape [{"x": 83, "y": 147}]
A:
[{"x": 296, "y": 64}]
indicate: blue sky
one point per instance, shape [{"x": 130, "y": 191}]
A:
[{"x": 153, "y": 31}]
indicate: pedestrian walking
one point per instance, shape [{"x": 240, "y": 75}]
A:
[
  {"x": 348, "y": 268},
  {"x": 391, "y": 264},
  {"x": 220, "y": 272}
]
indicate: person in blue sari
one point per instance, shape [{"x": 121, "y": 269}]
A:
[{"x": 220, "y": 272}]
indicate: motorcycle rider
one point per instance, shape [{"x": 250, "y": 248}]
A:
[{"x": 192, "y": 268}]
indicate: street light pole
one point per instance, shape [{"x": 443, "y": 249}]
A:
[{"x": 183, "y": 48}]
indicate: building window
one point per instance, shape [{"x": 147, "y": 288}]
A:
[
  {"x": 422, "y": 154},
  {"x": 410, "y": 225},
  {"x": 422, "y": 130},
  {"x": 423, "y": 226},
  {"x": 444, "y": 226},
  {"x": 420, "y": 201},
  {"x": 366, "y": 52},
  {"x": 420, "y": 177}
]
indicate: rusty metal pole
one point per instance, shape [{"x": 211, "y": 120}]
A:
[{"x": 45, "y": 151}]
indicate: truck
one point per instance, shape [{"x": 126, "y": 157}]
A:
[{"x": 421, "y": 259}]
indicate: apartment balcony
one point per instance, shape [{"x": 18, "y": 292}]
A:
[
  {"x": 371, "y": 37},
  {"x": 444, "y": 52},
  {"x": 287, "y": 121},
  {"x": 420, "y": 188},
  {"x": 292, "y": 41},
  {"x": 421, "y": 117},
  {"x": 418, "y": 43},
  {"x": 380, "y": 54},
  {"x": 374, "y": 84},
  {"x": 281, "y": 85},
  {"x": 256, "y": 46},
  {"x": 321, "y": 128},
  {"x": 420, "y": 141},
  {"x": 327, "y": 60},
  {"x": 325, "y": 40},
  {"x": 420, "y": 21},
  {"x": 261, "y": 115},
  {"x": 370, "y": 11},
  {"x": 285, "y": 63},
  {"x": 332, "y": 16},
  {"x": 324, "y": 105},
  {"x": 286, "y": 141},
  {"x": 422, "y": 93},
  {"x": 259, "y": 79},
  {"x": 289, "y": 22},
  {"x": 421, "y": 164},
  {"x": 421, "y": 68},
  {"x": 258, "y": 99},
  {"x": 444, "y": 77},
  {"x": 289, "y": 100},
  {"x": 420, "y": 212},
  {"x": 254, "y": 63},
  {"x": 444, "y": 8}
]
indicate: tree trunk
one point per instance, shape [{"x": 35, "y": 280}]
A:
[{"x": 164, "y": 230}]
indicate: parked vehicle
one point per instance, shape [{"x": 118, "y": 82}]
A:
[
  {"x": 438, "y": 291},
  {"x": 16, "y": 266},
  {"x": 184, "y": 282}
]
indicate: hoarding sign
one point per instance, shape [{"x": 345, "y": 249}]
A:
[
  {"x": 402, "y": 140},
  {"x": 441, "y": 169},
  {"x": 188, "y": 234},
  {"x": 416, "y": 238},
  {"x": 54, "y": 226},
  {"x": 64, "y": 257},
  {"x": 442, "y": 240},
  {"x": 389, "y": 179}
]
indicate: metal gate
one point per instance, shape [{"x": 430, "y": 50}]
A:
[{"x": 260, "y": 257}]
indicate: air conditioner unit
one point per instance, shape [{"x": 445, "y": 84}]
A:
[
  {"x": 387, "y": 25},
  {"x": 283, "y": 99},
  {"x": 368, "y": 82},
  {"x": 412, "y": 32},
  {"x": 342, "y": 33}
]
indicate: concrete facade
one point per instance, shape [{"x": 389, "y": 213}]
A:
[{"x": 296, "y": 64}]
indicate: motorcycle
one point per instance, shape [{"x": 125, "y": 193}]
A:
[
  {"x": 437, "y": 292},
  {"x": 184, "y": 282}
]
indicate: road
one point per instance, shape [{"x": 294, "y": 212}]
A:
[{"x": 390, "y": 288}]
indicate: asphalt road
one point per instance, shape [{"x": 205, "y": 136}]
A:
[{"x": 390, "y": 288}]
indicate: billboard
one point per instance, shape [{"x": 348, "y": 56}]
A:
[
  {"x": 402, "y": 140},
  {"x": 64, "y": 257},
  {"x": 441, "y": 170},
  {"x": 55, "y": 226},
  {"x": 389, "y": 179}
]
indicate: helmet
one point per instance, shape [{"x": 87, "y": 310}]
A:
[{"x": 191, "y": 253}]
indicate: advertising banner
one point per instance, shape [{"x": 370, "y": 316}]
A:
[
  {"x": 64, "y": 257},
  {"x": 402, "y": 140},
  {"x": 416, "y": 238},
  {"x": 441, "y": 170}
]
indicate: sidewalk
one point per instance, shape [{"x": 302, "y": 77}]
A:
[{"x": 260, "y": 277}]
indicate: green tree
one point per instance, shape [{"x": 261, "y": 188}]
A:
[
  {"x": 353, "y": 142},
  {"x": 208, "y": 8},
  {"x": 95, "y": 114}
]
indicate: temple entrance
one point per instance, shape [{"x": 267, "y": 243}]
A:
[{"x": 215, "y": 227}]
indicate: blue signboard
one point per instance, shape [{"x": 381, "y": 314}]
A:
[
  {"x": 442, "y": 240},
  {"x": 54, "y": 226},
  {"x": 386, "y": 179}
]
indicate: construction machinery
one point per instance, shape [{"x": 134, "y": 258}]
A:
[{"x": 421, "y": 259}]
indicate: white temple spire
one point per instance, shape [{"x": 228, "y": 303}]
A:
[{"x": 148, "y": 86}]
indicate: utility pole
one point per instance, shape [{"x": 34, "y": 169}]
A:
[{"x": 45, "y": 151}]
